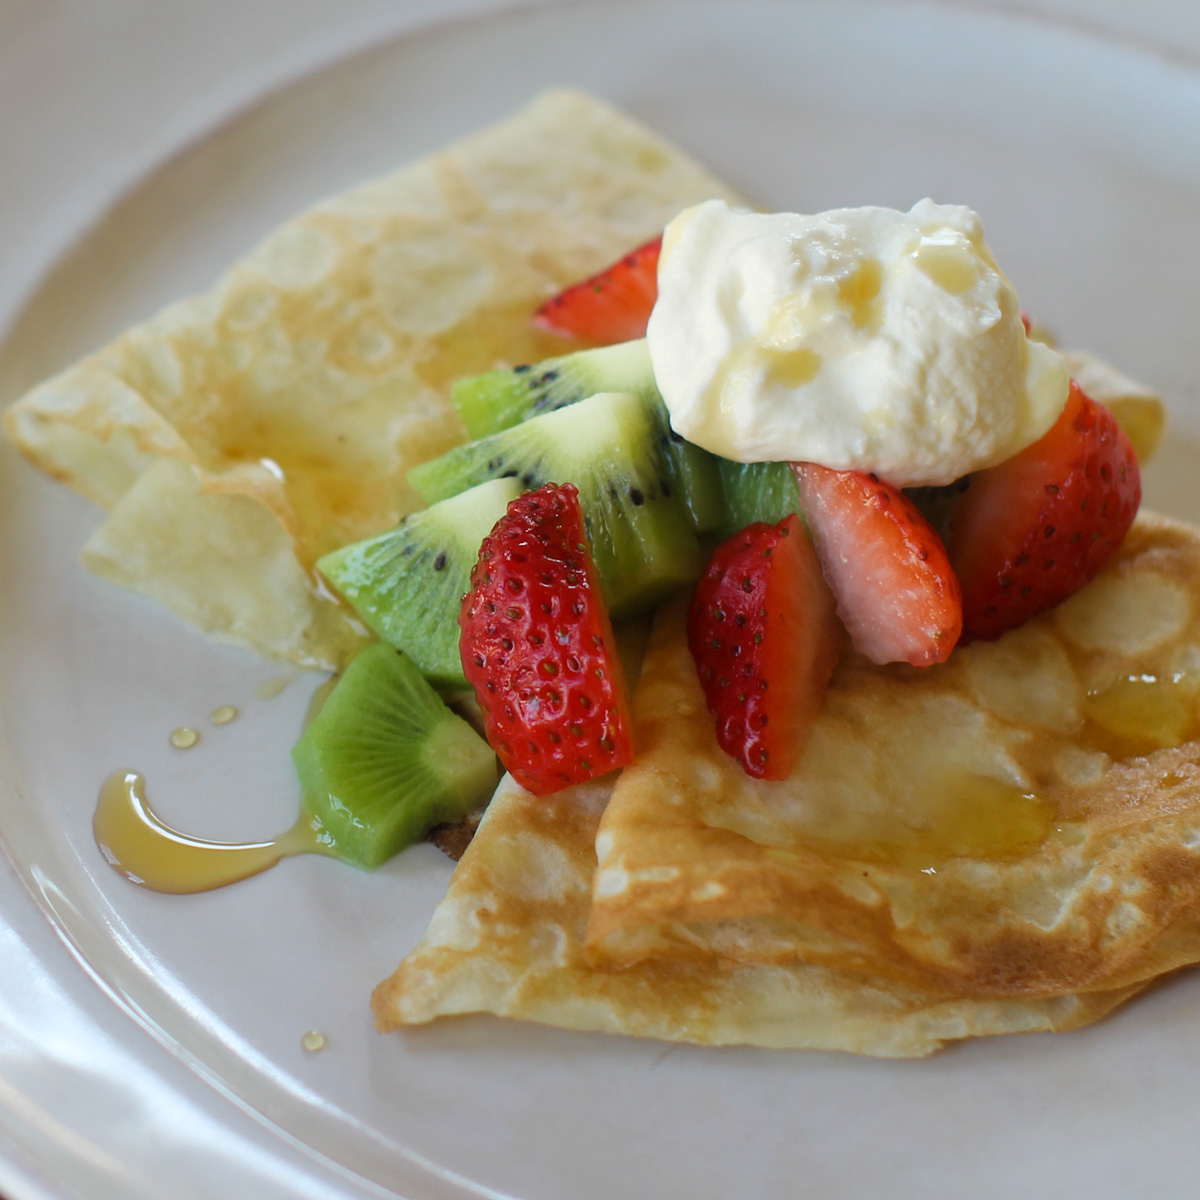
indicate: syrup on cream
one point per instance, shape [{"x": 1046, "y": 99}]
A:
[{"x": 862, "y": 339}]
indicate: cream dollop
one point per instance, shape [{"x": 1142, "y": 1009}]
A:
[{"x": 861, "y": 338}]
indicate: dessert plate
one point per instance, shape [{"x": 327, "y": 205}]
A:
[{"x": 167, "y": 1055}]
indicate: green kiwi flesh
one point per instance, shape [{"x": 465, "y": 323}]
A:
[
  {"x": 767, "y": 492},
  {"x": 764, "y": 491},
  {"x": 501, "y": 399},
  {"x": 694, "y": 473},
  {"x": 642, "y": 538},
  {"x": 385, "y": 760},
  {"x": 498, "y": 400},
  {"x": 407, "y": 584}
]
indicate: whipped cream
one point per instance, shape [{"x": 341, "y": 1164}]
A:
[{"x": 861, "y": 338}]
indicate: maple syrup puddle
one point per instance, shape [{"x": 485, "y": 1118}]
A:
[
  {"x": 1138, "y": 714},
  {"x": 966, "y": 817},
  {"x": 147, "y": 851}
]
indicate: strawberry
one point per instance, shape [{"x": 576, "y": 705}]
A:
[
  {"x": 1034, "y": 529},
  {"x": 612, "y": 306},
  {"x": 764, "y": 636},
  {"x": 537, "y": 647},
  {"x": 888, "y": 569}
]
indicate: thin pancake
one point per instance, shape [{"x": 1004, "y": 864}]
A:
[
  {"x": 1023, "y": 821},
  {"x": 242, "y": 433},
  {"x": 508, "y": 939}
]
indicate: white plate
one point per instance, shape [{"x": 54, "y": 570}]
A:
[{"x": 1084, "y": 156}]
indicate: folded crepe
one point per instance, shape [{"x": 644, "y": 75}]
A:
[
  {"x": 1021, "y": 821},
  {"x": 1007, "y": 843},
  {"x": 242, "y": 433},
  {"x": 508, "y": 939}
]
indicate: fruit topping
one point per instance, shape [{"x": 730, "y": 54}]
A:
[
  {"x": 538, "y": 648},
  {"x": 385, "y": 760},
  {"x": 888, "y": 569},
  {"x": 937, "y": 503},
  {"x": 1138, "y": 409},
  {"x": 407, "y": 584},
  {"x": 612, "y": 306},
  {"x": 760, "y": 491},
  {"x": 1037, "y": 527},
  {"x": 641, "y": 535},
  {"x": 498, "y": 400},
  {"x": 764, "y": 635}
]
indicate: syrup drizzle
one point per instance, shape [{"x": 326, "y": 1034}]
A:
[{"x": 138, "y": 844}]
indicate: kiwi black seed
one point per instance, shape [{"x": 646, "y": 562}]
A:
[
  {"x": 498, "y": 400},
  {"x": 642, "y": 537},
  {"x": 385, "y": 760},
  {"x": 407, "y": 584}
]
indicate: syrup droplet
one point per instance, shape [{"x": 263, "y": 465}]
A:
[
  {"x": 313, "y": 1041},
  {"x": 223, "y": 715},
  {"x": 184, "y": 738},
  {"x": 148, "y": 852},
  {"x": 950, "y": 263},
  {"x": 792, "y": 368},
  {"x": 270, "y": 688},
  {"x": 316, "y": 701},
  {"x": 1070, "y": 833}
]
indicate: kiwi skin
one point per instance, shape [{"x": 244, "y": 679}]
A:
[
  {"x": 407, "y": 584},
  {"x": 642, "y": 539},
  {"x": 385, "y": 760},
  {"x": 498, "y": 400}
]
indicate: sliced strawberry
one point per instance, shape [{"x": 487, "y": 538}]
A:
[
  {"x": 764, "y": 635},
  {"x": 610, "y": 307},
  {"x": 888, "y": 569},
  {"x": 1034, "y": 529},
  {"x": 537, "y": 647}
]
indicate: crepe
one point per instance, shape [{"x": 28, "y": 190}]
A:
[
  {"x": 508, "y": 939},
  {"x": 242, "y": 433},
  {"x": 1021, "y": 821},
  {"x": 851, "y": 907}
]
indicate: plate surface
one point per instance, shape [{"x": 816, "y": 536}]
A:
[{"x": 1084, "y": 157}]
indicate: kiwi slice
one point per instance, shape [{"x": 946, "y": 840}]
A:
[
  {"x": 501, "y": 399},
  {"x": 385, "y": 760},
  {"x": 643, "y": 541},
  {"x": 764, "y": 491},
  {"x": 498, "y": 400},
  {"x": 407, "y": 584},
  {"x": 694, "y": 473}
]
